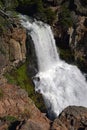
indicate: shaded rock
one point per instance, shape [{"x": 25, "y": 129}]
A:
[
  {"x": 54, "y": 2},
  {"x": 31, "y": 55},
  {"x": 80, "y": 8}
]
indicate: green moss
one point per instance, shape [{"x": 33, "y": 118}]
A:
[
  {"x": 19, "y": 77},
  {"x": 9, "y": 118}
]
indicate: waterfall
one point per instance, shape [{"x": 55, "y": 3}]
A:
[{"x": 60, "y": 84}]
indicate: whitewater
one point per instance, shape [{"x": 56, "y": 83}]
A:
[{"x": 61, "y": 84}]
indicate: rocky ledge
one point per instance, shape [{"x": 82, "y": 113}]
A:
[{"x": 17, "y": 107}]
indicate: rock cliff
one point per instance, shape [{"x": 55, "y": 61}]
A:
[
  {"x": 70, "y": 31},
  {"x": 12, "y": 44}
]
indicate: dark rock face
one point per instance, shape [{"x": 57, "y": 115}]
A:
[
  {"x": 81, "y": 7},
  {"x": 31, "y": 56}
]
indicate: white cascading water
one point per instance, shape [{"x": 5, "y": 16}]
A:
[{"x": 60, "y": 84}]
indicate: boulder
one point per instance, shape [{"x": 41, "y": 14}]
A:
[{"x": 73, "y": 118}]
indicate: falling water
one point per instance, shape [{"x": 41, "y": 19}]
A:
[{"x": 60, "y": 84}]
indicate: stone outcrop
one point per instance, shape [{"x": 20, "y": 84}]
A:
[
  {"x": 14, "y": 102},
  {"x": 58, "y": 125},
  {"x": 12, "y": 45},
  {"x": 73, "y": 38},
  {"x": 78, "y": 43},
  {"x": 72, "y": 118}
]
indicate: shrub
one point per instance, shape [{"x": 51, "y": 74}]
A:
[
  {"x": 50, "y": 15},
  {"x": 9, "y": 118},
  {"x": 8, "y": 4},
  {"x": 65, "y": 17}
]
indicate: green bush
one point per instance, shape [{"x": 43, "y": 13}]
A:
[
  {"x": 9, "y": 4},
  {"x": 9, "y": 118},
  {"x": 50, "y": 15},
  {"x": 65, "y": 17}
]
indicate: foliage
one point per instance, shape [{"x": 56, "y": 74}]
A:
[
  {"x": 30, "y": 7},
  {"x": 50, "y": 15},
  {"x": 8, "y": 4},
  {"x": 66, "y": 55},
  {"x": 19, "y": 77},
  {"x": 65, "y": 17},
  {"x": 9, "y": 118},
  {"x": 36, "y": 9}
]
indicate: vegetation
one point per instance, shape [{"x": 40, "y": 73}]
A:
[
  {"x": 65, "y": 17},
  {"x": 66, "y": 55},
  {"x": 19, "y": 77},
  {"x": 8, "y": 4},
  {"x": 9, "y": 118},
  {"x": 36, "y": 9},
  {"x": 29, "y": 7},
  {"x": 50, "y": 15}
]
